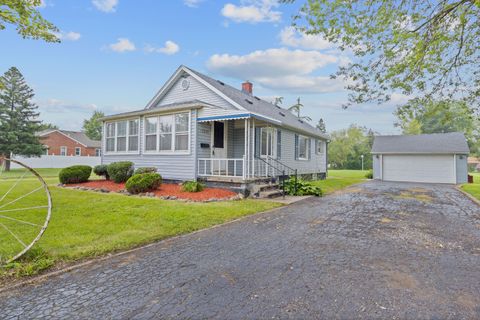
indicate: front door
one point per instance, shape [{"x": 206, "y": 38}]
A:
[{"x": 219, "y": 147}]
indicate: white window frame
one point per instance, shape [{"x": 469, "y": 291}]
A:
[
  {"x": 307, "y": 145},
  {"x": 63, "y": 151},
  {"x": 98, "y": 152},
  {"x": 127, "y": 120},
  {"x": 272, "y": 132},
  {"x": 79, "y": 149},
  {"x": 320, "y": 145},
  {"x": 172, "y": 151}
]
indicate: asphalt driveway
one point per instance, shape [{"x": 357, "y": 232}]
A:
[{"x": 378, "y": 250}]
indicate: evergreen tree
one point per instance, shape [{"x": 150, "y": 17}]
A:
[
  {"x": 18, "y": 118},
  {"x": 321, "y": 126},
  {"x": 93, "y": 126}
]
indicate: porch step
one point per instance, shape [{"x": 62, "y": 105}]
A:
[
  {"x": 267, "y": 187},
  {"x": 275, "y": 193}
]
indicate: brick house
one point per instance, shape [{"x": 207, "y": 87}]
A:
[{"x": 69, "y": 143}]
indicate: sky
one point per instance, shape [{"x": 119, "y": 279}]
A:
[{"x": 116, "y": 54}]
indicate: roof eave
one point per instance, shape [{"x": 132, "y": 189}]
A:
[{"x": 150, "y": 111}]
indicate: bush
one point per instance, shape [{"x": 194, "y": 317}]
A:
[
  {"x": 192, "y": 186},
  {"x": 369, "y": 174},
  {"x": 75, "y": 174},
  {"x": 101, "y": 170},
  {"x": 120, "y": 171},
  {"x": 146, "y": 170},
  {"x": 143, "y": 182},
  {"x": 303, "y": 188}
]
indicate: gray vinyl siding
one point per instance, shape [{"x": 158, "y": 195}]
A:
[
  {"x": 204, "y": 131},
  {"x": 462, "y": 168},
  {"x": 238, "y": 142},
  {"x": 196, "y": 91},
  {"x": 377, "y": 167},
  {"x": 316, "y": 163},
  {"x": 172, "y": 166}
]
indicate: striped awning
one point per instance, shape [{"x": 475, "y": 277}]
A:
[{"x": 235, "y": 117}]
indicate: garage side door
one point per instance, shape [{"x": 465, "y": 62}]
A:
[{"x": 419, "y": 168}]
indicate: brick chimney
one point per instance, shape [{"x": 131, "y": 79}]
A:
[{"x": 247, "y": 87}]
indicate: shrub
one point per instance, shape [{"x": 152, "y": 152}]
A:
[
  {"x": 120, "y": 171},
  {"x": 369, "y": 174},
  {"x": 302, "y": 188},
  {"x": 143, "y": 182},
  {"x": 101, "y": 170},
  {"x": 146, "y": 170},
  {"x": 192, "y": 186},
  {"x": 74, "y": 174}
]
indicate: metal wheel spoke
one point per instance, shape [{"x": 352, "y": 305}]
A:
[
  {"x": 13, "y": 186},
  {"x": 19, "y": 198},
  {"x": 13, "y": 234},
  {"x": 20, "y": 221},
  {"x": 22, "y": 209}
]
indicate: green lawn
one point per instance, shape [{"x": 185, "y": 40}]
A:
[
  {"x": 44, "y": 172},
  {"x": 473, "y": 188},
  {"x": 339, "y": 179},
  {"x": 86, "y": 224}
]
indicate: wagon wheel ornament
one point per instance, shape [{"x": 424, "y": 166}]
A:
[{"x": 25, "y": 210}]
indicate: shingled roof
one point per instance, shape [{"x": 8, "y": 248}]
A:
[
  {"x": 437, "y": 143},
  {"x": 75, "y": 135}
]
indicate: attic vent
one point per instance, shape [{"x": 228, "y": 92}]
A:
[
  {"x": 301, "y": 121},
  {"x": 249, "y": 101},
  {"x": 257, "y": 98},
  {"x": 221, "y": 82},
  {"x": 282, "y": 114},
  {"x": 278, "y": 107}
]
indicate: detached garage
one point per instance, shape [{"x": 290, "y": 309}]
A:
[{"x": 430, "y": 158}]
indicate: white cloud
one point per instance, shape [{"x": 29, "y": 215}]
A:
[
  {"x": 122, "y": 45},
  {"x": 289, "y": 36},
  {"x": 252, "y": 11},
  {"x": 192, "y": 3},
  {"x": 170, "y": 48},
  {"x": 69, "y": 36},
  {"x": 105, "y": 5},
  {"x": 270, "y": 69}
]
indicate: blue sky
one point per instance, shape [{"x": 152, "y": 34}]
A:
[{"x": 115, "y": 55}]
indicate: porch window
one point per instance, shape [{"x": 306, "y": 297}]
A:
[
  {"x": 172, "y": 132},
  {"x": 151, "y": 134},
  {"x": 266, "y": 142},
  {"x": 122, "y": 136},
  {"x": 303, "y": 147}
]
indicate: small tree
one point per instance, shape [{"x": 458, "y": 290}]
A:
[
  {"x": 93, "y": 126},
  {"x": 18, "y": 118},
  {"x": 321, "y": 126}
]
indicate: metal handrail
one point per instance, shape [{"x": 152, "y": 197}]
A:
[
  {"x": 294, "y": 172},
  {"x": 281, "y": 163}
]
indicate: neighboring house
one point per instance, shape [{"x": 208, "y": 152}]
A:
[
  {"x": 68, "y": 143},
  {"x": 431, "y": 158},
  {"x": 196, "y": 127}
]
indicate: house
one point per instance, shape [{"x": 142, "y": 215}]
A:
[
  {"x": 431, "y": 158},
  {"x": 69, "y": 143},
  {"x": 196, "y": 127}
]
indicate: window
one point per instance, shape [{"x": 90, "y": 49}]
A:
[
  {"x": 78, "y": 151},
  {"x": 98, "y": 152},
  {"x": 63, "y": 151},
  {"x": 266, "y": 142},
  {"x": 320, "y": 147},
  {"x": 122, "y": 136},
  {"x": 45, "y": 150},
  {"x": 303, "y": 148},
  {"x": 167, "y": 133}
]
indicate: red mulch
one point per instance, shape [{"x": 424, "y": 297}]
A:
[{"x": 166, "y": 189}]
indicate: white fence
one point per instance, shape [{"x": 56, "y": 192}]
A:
[{"x": 56, "y": 161}]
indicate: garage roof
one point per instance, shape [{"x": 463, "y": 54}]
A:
[{"x": 438, "y": 143}]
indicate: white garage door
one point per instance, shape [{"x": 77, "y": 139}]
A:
[{"x": 419, "y": 168}]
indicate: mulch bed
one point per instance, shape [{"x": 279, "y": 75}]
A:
[{"x": 167, "y": 191}]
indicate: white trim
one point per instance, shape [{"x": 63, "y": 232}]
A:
[
  {"x": 66, "y": 150},
  {"x": 79, "y": 153},
  {"x": 127, "y": 136},
  {"x": 167, "y": 86},
  {"x": 455, "y": 168},
  {"x": 308, "y": 145},
  {"x": 172, "y": 151}
]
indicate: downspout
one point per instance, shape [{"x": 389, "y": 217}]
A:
[{"x": 326, "y": 158}]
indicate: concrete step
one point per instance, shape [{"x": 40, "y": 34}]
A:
[
  {"x": 267, "y": 187},
  {"x": 275, "y": 193}
]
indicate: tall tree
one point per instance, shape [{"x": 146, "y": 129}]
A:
[
  {"x": 426, "y": 116},
  {"x": 347, "y": 147},
  {"x": 93, "y": 126},
  {"x": 18, "y": 117},
  {"x": 45, "y": 126},
  {"x": 418, "y": 48},
  {"x": 321, "y": 126},
  {"x": 296, "y": 109},
  {"x": 24, "y": 15}
]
